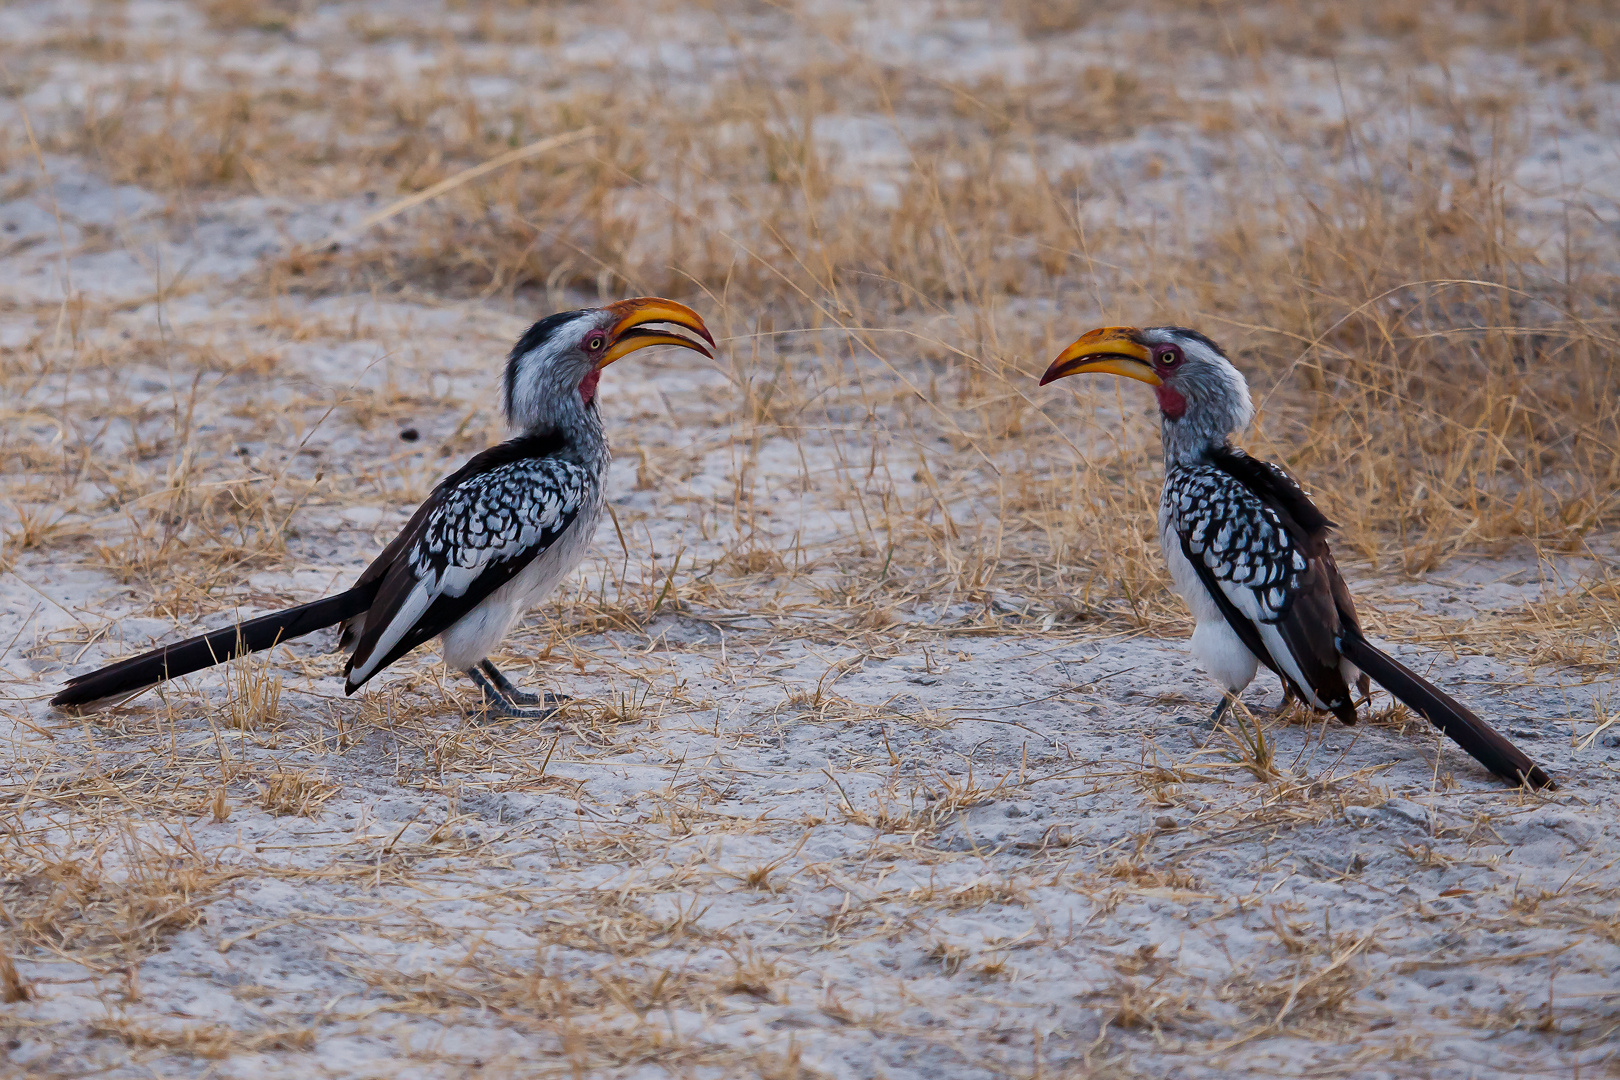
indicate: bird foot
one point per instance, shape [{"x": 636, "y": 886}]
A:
[
  {"x": 503, "y": 701},
  {"x": 1215, "y": 719},
  {"x": 498, "y": 709}
]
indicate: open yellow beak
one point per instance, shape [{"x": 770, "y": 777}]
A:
[
  {"x": 1111, "y": 350},
  {"x": 629, "y": 333}
]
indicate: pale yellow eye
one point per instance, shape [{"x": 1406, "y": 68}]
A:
[{"x": 596, "y": 342}]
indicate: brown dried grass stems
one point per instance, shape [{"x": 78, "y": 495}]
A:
[
  {"x": 108, "y": 902},
  {"x": 1444, "y": 385}
]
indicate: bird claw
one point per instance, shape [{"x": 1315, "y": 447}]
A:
[{"x": 503, "y": 701}]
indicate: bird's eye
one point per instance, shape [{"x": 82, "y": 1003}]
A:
[
  {"x": 595, "y": 343},
  {"x": 1170, "y": 357}
]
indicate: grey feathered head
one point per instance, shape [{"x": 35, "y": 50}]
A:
[
  {"x": 1202, "y": 397},
  {"x": 553, "y": 370}
]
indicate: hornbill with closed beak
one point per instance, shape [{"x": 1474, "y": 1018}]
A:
[
  {"x": 492, "y": 540},
  {"x": 1248, "y": 550}
]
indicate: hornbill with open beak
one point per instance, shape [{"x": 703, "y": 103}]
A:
[
  {"x": 492, "y": 540},
  {"x": 1248, "y": 550}
]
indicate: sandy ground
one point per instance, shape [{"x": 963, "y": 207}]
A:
[{"x": 780, "y": 831}]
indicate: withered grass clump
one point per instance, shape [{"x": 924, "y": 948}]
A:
[
  {"x": 213, "y": 1041},
  {"x": 255, "y": 694},
  {"x": 1438, "y": 370},
  {"x": 108, "y": 904},
  {"x": 295, "y": 793}
]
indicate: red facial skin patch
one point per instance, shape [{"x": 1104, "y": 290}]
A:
[
  {"x": 587, "y": 386},
  {"x": 1171, "y": 403}
]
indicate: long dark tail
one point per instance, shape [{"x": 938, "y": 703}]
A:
[
  {"x": 129, "y": 677},
  {"x": 1468, "y": 731}
]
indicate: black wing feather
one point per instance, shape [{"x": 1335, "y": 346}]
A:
[
  {"x": 1310, "y": 626},
  {"x": 445, "y": 610},
  {"x": 537, "y": 445},
  {"x": 1319, "y": 624},
  {"x": 1272, "y": 485},
  {"x": 1311, "y": 621}
]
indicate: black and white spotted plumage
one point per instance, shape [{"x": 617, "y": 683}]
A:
[
  {"x": 478, "y": 531},
  {"x": 494, "y": 538},
  {"x": 1239, "y": 538},
  {"x": 1265, "y": 571},
  {"x": 1248, "y": 550}
]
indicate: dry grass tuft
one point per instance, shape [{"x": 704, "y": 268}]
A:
[
  {"x": 255, "y": 694},
  {"x": 109, "y": 904},
  {"x": 296, "y": 793},
  {"x": 12, "y": 987},
  {"x": 1253, "y": 748},
  {"x": 1322, "y": 982},
  {"x": 213, "y": 1041},
  {"x": 1135, "y": 1005}
]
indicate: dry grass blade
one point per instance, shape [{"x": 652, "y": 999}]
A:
[
  {"x": 298, "y": 793},
  {"x": 465, "y": 176},
  {"x": 12, "y": 987},
  {"x": 1255, "y": 751}
]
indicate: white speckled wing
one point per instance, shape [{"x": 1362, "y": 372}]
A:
[
  {"x": 501, "y": 515},
  {"x": 1242, "y": 541},
  {"x": 479, "y": 529}
]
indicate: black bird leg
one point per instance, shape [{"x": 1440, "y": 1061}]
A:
[
  {"x": 513, "y": 694},
  {"x": 503, "y": 701},
  {"x": 1220, "y": 710}
]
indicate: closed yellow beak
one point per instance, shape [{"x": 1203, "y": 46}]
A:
[{"x": 1110, "y": 350}]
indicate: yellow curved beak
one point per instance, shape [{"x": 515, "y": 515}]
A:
[
  {"x": 629, "y": 333},
  {"x": 1111, "y": 350}
]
